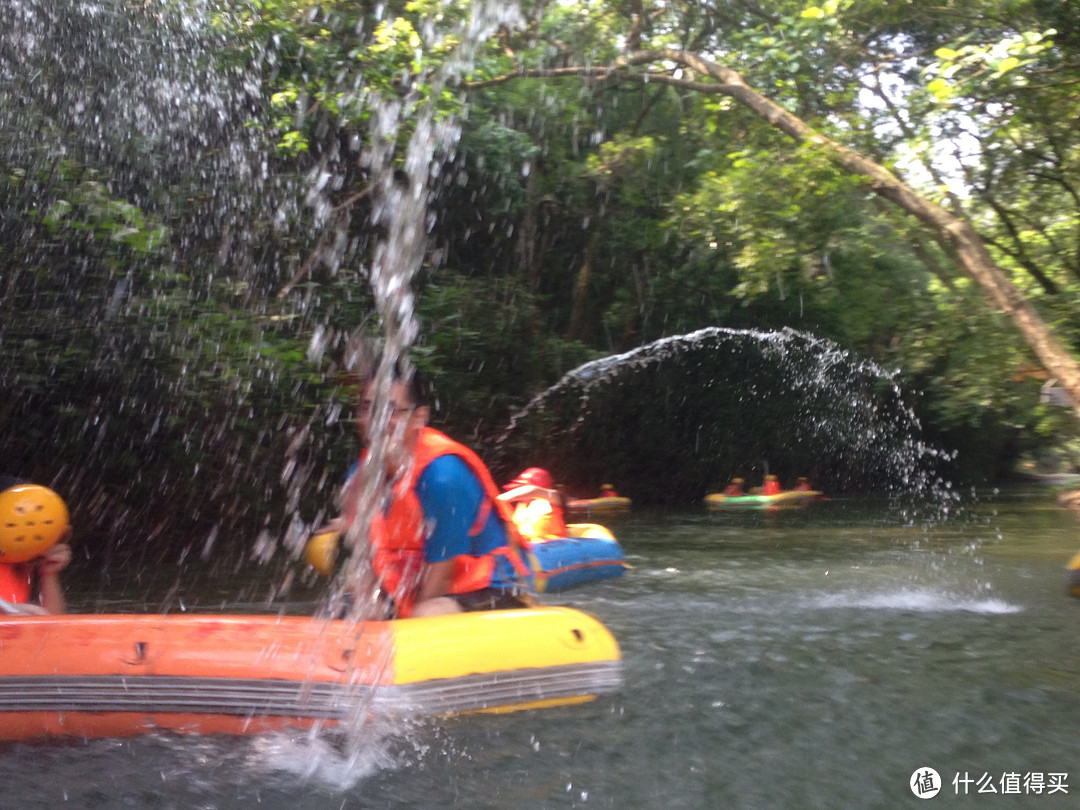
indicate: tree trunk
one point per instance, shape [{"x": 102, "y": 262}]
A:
[
  {"x": 576, "y": 330},
  {"x": 527, "y": 234}
]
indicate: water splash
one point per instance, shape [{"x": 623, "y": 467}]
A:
[
  {"x": 100, "y": 84},
  {"x": 135, "y": 107},
  {"x": 679, "y": 417},
  {"x": 319, "y": 759},
  {"x": 913, "y": 600},
  {"x": 133, "y": 187},
  {"x": 400, "y": 214},
  {"x": 400, "y": 193}
]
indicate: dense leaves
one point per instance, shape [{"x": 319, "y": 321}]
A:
[{"x": 189, "y": 199}]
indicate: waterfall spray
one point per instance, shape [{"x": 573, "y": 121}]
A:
[{"x": 400, "y": 213}]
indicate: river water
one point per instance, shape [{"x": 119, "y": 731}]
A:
[{"x": 809, "y": 659}]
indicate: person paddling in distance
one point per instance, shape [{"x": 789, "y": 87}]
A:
[
  {"x": 34, "y": 530},
  {"x": 442, "y": 542},
  {"x": 771, "y": 485},
  {"x": 735, "y": 488}
]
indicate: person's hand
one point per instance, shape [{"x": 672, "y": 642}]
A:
[
  {"x": 21, "y": 609},
  {"x": 338, "y": 525},
  {"x": 54, "y": 560}
]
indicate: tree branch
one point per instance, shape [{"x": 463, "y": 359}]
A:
[{"x": 971, "y": 251}]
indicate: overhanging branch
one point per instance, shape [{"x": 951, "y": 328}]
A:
[{"x": 971, "y": 252}]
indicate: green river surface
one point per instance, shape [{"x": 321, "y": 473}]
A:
[{"x": 819, "y": 658}]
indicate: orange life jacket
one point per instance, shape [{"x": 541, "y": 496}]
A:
[
  {"x": 398, "y": 535},
  {"x": 539, "y": 519},
  {"x": 15, "y": 583}
]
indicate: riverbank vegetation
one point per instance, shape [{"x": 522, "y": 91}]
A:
[{"x": 187, "y": 245}]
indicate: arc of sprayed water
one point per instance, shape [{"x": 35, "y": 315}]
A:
[{"x": 840, "y": 401}]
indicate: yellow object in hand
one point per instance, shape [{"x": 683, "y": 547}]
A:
[{"x": 321, "y": 552}]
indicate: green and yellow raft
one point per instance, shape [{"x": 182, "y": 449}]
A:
[{"x": 788, "y": 499}]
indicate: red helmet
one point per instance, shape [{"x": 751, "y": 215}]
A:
[{"x": 535, "y": 476}]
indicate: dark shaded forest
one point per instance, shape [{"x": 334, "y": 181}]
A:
[{"x": 194, "y": 200}]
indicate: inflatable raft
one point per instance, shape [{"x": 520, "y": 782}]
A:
[
  {"x": 588, "y": 506},
  {"x": 788, "y": 499},
  {"x": 590, "y": 553},
  {"x": 122, "y": 675}
]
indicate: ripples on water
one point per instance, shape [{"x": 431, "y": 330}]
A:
[
  {"x": 797, "y": 660},
  {"x": 924, "y": 600}
]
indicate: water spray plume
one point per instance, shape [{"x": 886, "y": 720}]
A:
[
  {"x": 682, "y": 416},
  {"x": 400, "y": 213}
]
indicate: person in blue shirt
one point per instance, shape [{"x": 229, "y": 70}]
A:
[{"x": 443, "y": 543}]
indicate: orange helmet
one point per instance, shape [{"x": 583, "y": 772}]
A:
[
  {"x": 32, "y": 519},
  {"x": 536, "y": 476}
]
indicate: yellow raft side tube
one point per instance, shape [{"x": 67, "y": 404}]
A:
[
  {"x": 615, "y": 503},
  {"x": 539, "y": 657}
]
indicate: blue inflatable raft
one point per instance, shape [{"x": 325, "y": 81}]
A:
[{"x": 589, "y": 554}]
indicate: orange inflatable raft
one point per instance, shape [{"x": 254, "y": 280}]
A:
[{"x": 120, "y": 675}]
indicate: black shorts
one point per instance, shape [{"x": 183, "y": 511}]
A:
[{"x": 492, "y": 599}]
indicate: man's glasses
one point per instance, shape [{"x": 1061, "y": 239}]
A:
[{"x": 396, "y": 412}]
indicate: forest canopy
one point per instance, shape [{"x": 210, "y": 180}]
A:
[{"x": 188, "y": 247}]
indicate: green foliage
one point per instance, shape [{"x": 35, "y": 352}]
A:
[
  {"x": 90, "y": 208},
  {"x": 778, "y": 219},
  {"x": 485, "y": 352},
  {"x": 331, "y": 62},
  {"x": 961, "y": 69},
  {"x": 765, "y": 224},
  {"x": 141, "y": 328}
]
